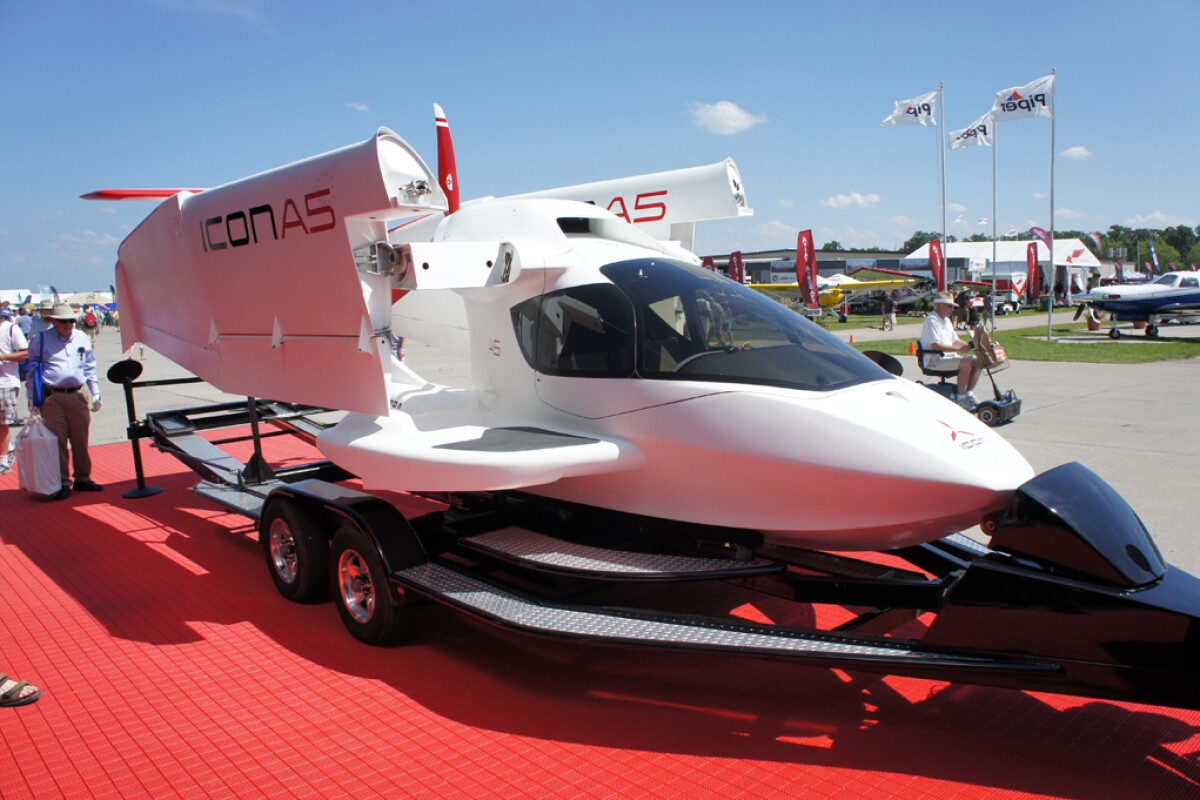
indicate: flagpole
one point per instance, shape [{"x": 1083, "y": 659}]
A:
[
  {"x": 995, "y": 144},
  {"x": 1053, "y": 268},
  {"x": 942, "y": 151}
]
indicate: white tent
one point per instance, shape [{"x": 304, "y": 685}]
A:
[{"x": 1067, "y": 253}]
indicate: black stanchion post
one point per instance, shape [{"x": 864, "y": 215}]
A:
[
  {"x": 257, "y": 470},
  {"x": 125, "y": 373}
]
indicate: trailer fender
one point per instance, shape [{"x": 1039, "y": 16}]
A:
[{"x": 392, "y": 534}]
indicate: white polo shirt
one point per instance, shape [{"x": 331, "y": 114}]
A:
[{"x": 937, "y": 331}]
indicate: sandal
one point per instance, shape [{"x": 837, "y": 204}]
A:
[{"x": 17, "y": 693}]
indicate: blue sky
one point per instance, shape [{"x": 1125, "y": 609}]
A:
[{"x": 544, "y": 93}]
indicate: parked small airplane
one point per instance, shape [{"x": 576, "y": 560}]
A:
[
  {"x": 605, "y": 391},
  {"x": 1168, "y": 294},
  {"x": 597, "y": 377},
  {"x": 835, "y": 290}
]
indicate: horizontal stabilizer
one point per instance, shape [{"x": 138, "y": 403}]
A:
[{"x": 135, "y": 194}]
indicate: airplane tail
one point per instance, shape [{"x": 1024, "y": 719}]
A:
[{"x": 447, "y": 165}]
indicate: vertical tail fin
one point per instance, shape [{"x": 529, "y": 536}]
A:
[{"x": 447, "y": 167}]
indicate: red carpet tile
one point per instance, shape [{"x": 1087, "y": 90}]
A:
[{"x": 172, "y": 668}]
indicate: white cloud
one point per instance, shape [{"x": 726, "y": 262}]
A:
[
  {"x": 852, "y": 237},
  {"x": 852, "y": 200},
  {"x": 1156, "y": 219},
  {"x": 1076, "y": 153},
  {"x": 358, "y": 106},
  {"x": 786, "y": 202},
  {"x": 250, "y": 12},
  {"x": 776, "y": 229},
  {"x": 87, "y": 248},
  {"x": 1067, "y": 213},
  {"x": 900, "y": 219},
  {"x": 955, "y": 207},
  {"x": 723, "y": 117},
  {"x": 1039, "y": 195}
]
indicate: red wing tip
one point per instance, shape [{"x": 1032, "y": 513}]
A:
[{"x": 135, "y": 194}]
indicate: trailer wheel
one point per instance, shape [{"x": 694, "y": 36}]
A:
[
  {"x": 364, "y": 600},
  {"x": 297, "y": 553}
]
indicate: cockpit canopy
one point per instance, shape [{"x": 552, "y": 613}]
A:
[
  {"x": 661, "y": 319},
  {"x": 1174, "y": 279}
]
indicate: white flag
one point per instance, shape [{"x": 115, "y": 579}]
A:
[
  {"x": 918, "y": 111},
  {"x": 980, "y": 132},
  {"x": 1035, "y": 99}
]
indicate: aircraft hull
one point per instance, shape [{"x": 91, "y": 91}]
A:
[{"x": 879, "y": 466}]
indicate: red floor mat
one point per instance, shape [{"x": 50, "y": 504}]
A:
[{"x": 171, "y": 668}]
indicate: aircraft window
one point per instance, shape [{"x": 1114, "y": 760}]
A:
[
  {"x": 1167, "y": 280},
  {"x": 1191, "y": 283},
  {"x": 584, "y": 331},
  {"x": 695, "y": 325}
]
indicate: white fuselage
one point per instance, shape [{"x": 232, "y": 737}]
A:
[{"x": 882, "y": 463}]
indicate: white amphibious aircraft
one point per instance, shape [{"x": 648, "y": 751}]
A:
[{"x": 608, "y": 368}]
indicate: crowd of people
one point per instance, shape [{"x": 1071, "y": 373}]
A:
[
  {"x": 55, "y": 348},
  {"x": 51, "y": 356}
]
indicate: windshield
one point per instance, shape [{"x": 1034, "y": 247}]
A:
[
  {"x": 1166, "y": 280},
  {"x": 692, "y": 324}
]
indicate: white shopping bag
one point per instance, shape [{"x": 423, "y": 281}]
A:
[{"x": 37, "y": 457}]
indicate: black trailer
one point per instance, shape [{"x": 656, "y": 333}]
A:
[{"x": 1070, "y": 595}]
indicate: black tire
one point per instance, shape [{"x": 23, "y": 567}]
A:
[
  {"x": 988, "y": 415},
  {"x": 1152, "y": 330},
  {"x": 1113, "y": 333},
  {"x": 297, "y": 552},
  {"x": 369, "y": 608}
]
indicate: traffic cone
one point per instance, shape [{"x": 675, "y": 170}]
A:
[
  {"x": 852, "y": 338},
  {"x": 912, "y": 348}
]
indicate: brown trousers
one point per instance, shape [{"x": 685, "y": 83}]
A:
[{"x": 69, "y": 417}]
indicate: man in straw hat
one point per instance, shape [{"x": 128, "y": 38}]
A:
[
  {"x": 945, "y": 352},
  {"x": 68, "y": 364}
]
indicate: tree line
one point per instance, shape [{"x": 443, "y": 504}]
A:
[{"x": 1180, "y": 244}]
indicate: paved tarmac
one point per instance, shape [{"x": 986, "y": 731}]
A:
[{"x": 1134, "y": 425}]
